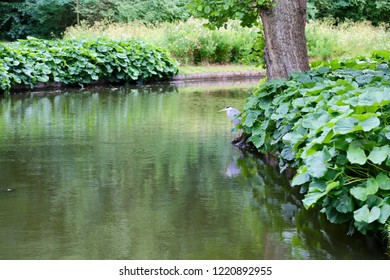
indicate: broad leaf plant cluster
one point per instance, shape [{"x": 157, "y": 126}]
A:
[
  {"x": 31, "y": 61},
  {"x": 332, "y": 124}
]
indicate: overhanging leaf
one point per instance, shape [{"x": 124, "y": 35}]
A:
[
  {"x": 311, "y": 198},
  {"x": 300, "y": 179}
]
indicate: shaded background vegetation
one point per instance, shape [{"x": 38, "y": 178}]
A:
[
  {"x": 376, "y": 11},
  {"x": 48, "y": 18}
]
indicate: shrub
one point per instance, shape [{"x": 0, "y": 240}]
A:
[
  {"x": 79, "y": 62},
  {"x": 332, "y": 123}
]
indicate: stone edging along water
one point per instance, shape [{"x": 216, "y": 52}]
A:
[
  {"x": 221, "y": 75},
  {"x": 178, "y": 79}
]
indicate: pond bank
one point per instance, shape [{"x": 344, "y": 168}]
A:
[
  {"x": 180, "y": 80},
  {"x": 248, "y": 74}
]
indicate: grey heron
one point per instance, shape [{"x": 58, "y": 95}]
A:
[{"x": 232, "y": 114}]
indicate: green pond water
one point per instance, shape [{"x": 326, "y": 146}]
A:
[{"x": 149, "y": 173}]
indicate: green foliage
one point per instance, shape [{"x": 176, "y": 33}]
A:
[
  {"x": 332, "y": 123},
  {"x": 219, "y": 12},
  {"x": 376, "y": 11},
  {"x": 48, "y": 18},
  {"x": 41, "y": 18},
  {"x": 145, "y": 11},
  {"x": 11, "y": 19},
  {"x": 193, "y": 43},
  {"x": 78, "y": 62},
  {"x": 152, "y": 11}
]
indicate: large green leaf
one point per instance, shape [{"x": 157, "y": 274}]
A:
[
  {"x": 385, "y": 214},
  {"x": 383, "y": 181},
  {"x": 316, "y": 120},
  {"x": 343, "y": 203},
  {"x": 345, "y": 125},
  {"x": 356, "y": 154},
  {"x": 372, "y": 186},
  {"x": 375, "y": 212},
  {"x": 366, "y": 215},
  {"x": 311, "y": 198},
  {"x": 251, "y": 117},
  {"x": 317, "y": 164},
  {"x": 370, "y": 123},
  {"x": 317, "y": 185},
  {"x": 379, "y": 154},
  {"x": 287, "y": 153},
  {"x": 300, "y": 179},
  {"x": 359, "y": 193}
]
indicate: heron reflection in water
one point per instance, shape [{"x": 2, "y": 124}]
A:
[{"x": 233, "y": 169}]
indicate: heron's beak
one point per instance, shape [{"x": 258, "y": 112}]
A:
[{"x": 224, "y": 109}]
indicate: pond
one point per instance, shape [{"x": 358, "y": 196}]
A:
[{"x": 149, "y": 173}]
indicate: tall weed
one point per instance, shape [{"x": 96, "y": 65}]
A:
[
  {"x": 192, "y": 43},
  {"x": 327, "y": 40},
  {"x": 189, "y": 42}
]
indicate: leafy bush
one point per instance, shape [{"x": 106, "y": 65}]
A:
[
  {"x": 78, "y": 62},
  {"x": 332, "y": 123}
]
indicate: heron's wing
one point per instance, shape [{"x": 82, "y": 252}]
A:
[{"x": 236, "y": 121}]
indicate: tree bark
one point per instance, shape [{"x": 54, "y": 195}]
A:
[{"x": 285, "y": 41}]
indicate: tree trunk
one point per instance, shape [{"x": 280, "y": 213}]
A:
[
  {"x": 78, "y": 11},
  {"x": 285, "y": 42}
]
